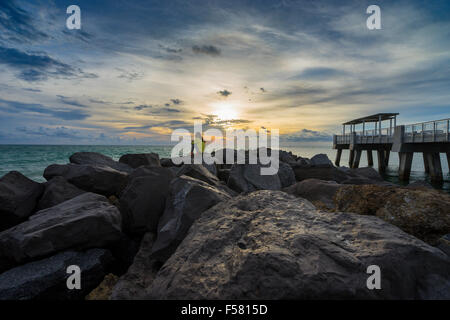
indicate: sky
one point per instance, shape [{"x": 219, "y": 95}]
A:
[{"x": 137, "y": 70}]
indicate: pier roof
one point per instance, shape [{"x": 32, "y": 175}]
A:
[{"x": 373, "y": 118}]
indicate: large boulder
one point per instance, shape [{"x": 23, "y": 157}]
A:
[
  {"x": 188, "y": 198},
  {"x": 321, "y": 160},
  {"x": 140, "y": 275},
  {"x": 271, "y": 245},
  {"x": 200, "y": 172},
  {"x": 140, "y": 159},
  {"x": 248, "y": 177},
  {"x": 319, "y": 192},
  {"x": 98, "y": 159},
  {"x": 98, "y": 179},
  {"x": 104, "y": 289},
  {"x": 57, "y": 190},
  {"x": 143, "y": 200},
  {"x": 423, "y": 213},
  {"x": 86, "y": 221},
  {"x": 46, "y": 278},
  {"x": 286, "y": 175},
  {"x": 18, "y": 198}
]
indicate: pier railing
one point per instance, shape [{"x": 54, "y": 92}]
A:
[{"x": 430, "y": 131}]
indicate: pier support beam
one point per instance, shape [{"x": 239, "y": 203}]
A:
[
  {"x": 425, "y": 163},
  {"x": 381, "y": 161},
  {"x": 369, "y": 158},
  {"x": 338, "y": 157},
  {"x": 350, "y": 158},
  {"x": 448, "y": 160},
  {"x": 404, "y": 169},
  {"x": 356, "y": 159},
  {"x": 387, "y": 153},
  {"x": 434, "y": 164}
]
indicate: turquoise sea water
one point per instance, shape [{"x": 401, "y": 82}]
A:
[{"x": 31, "y": 160}]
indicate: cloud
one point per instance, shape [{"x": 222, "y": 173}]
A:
[
  {"x": 58, "y": 132},
  {"x": 63, "y": 114},
  {"x": 39, "y": 66},
  {"x": 130, "y": 75},
  {"x": 170, "y": 50},
  {"x": 172, "y": 124},
  {"x": 69, "y": 101},
  {"x": 306, "y": 135},
  {"x": 224, "y": 93},
  {"x": 176, "y": 101},
  {"x": 262, "y": 90},
  {"x": 321, "y": 73},
  {"x": 32, "y": 90},
  {"x": 142, "y": 107},
  {"x": 208, "y": 50}
]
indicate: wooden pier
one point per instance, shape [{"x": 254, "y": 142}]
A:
[{"x": 430, "y": 138}]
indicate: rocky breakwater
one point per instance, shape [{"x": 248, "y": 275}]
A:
[{"x": 143, "y": 228}]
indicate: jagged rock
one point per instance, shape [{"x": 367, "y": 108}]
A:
[
  {"x": 98, "y": 179},
  {"x": 57, "y": 190},
  {"x": 104, "y": 289},
  {"x": 422, "y": 213},
  {"x": 248, "y": 177},
  {"x": 319, "y": 192},
  {"x": 271, "y": 245},
  {"x": 86, "y": 221},
  {"x": 140, "y": 275},
  {"x": 444, "y": 243},
  {"x": 223, "y": 174},
  {"x": 287, "y": 157},
  {"x": 166, "y": 162},
  {"x": 98, "y": 159},
  {"x": 286, "y": 175},
  {"x": 419, "y": 185},
  {"x": 199, "y": 172},
  {"x": 321, "y": 160},
  {"x": 143, "y": 200},
  {"x": 46, "y": 279},
  {"x": 18, "y": 198},
  {"x": 141, "y": 159},
  {"x": 188, "y": 198}
]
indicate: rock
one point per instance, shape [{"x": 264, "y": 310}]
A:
[
  {"x": 123, "y": 252},
  {"x": 319, "y": 192},
  {"x": 143, "y": 200},
  {"x": 367, "y": 172},
  {"x": 248, "y": 177},
  {"x": 444, "y": 243},
  {"x": 329, "y": 174},
  {"x": 223, "y": 174},
  {"x": 286, "y": 175},
  {"x": 301, "y": 163},
  {"x": 103, "y": 291},
  {"x": 199, "y": 172},
  {"x": 98, "y": 179},
  {"x": 57, "y": 190},
  {"x": 321, "y": 160},
  {"x": 188, "y": 198},
  {"x": 271, "y": 245},
  {"x": 286, "y": 157},
  {"x": 422, "y": 213},
  {"x": 86, "y": 221},
  {"x": 46, "y": 279},
  {"x": 98, "y": 159},
  {"x": 166, "y": 162},
  {"x": 18, "y": 198},
  {"x": 142, "y": 159},
  {"x": 140, "y": 275},
  {"x": 421, "y": 184},
  {"x": 212, "y": 168}
]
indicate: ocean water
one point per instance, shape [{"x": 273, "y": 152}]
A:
[{"x": 31, "y": 160}]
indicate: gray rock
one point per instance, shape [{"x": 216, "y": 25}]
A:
[
  {"x": 321, "y": 160},
  {"x": 98, "y": 179},
  {"x": 223, "y": 174},
  {"x": 286, "y": 175},
  {"x": 86, "y": 221},
  {"x": 248, "y": 177},
  {"x": 46, "y": 279},
  {"x": 199, "y": 172},
  {"x": 140, "y": 275},
  {"x": 287, "y": 157},
  {"x": 18, "y": 198},
  {"x": 143, "y": 200},
  {"x": 271, "y": 245},
  {"x": 57, "y": 190},
  {"x": 444, "y": 244},
  {"x": 367, "y": 172},
  {"x": 419, "y": 185},
  {"x": 315, "y": 191},
  {"x": 188, "y": 198},
  {"x": 98, "y": 159},
  {"x": 141, "y": 159}
]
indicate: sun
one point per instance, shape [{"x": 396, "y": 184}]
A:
[{"x": 225, "y": 111}]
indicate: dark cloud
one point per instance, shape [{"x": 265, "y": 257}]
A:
[
  {"x": 224, "y": 93},
  {"x": 176, "y": 101},
  {"x": 32, "y": 90},
  {"x": 171, "y": 124},
  {"x": 17, "y": 25},
  {"x": 142, "y": 107},
  {"x": 63, "y": 114},
  {"x": 58, "y": 132},
  {"x": 208, "y": 50},
  {"x": 69, "y": 101},
  {"x": 39, "y": 66},
  {"x": 98, "y": 101},
  {"x": 262, "y": 90},
  {"x": 306, "y": 135}
]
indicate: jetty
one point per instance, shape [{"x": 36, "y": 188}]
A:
[{"x": 429, "y": 138}]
